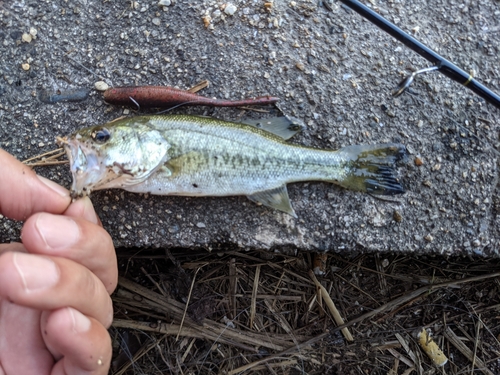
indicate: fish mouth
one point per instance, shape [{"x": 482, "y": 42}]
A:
[{"x": 83, "y": 166}]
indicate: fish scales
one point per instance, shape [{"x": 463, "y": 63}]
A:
[
  {"x": 211, "y": 158},
  {"x": 200, "y": 156}
]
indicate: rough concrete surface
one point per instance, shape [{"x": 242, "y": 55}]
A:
[{"x": 331, "y": 68}]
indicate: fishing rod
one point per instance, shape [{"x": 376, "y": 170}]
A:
[{"x": 439, "y": 63}]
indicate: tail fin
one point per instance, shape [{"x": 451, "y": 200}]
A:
[{"x": 372, "y": 168}]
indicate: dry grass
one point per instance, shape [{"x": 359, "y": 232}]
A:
[
  {"x": 194, "y": 312},
  {"x": 54, "y": 157}
]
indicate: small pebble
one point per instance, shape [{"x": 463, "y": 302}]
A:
[
  {"x": 206, "y": 20},
  {"x": 230, "y": 9},
  {"x": 156, "y": 21},
  {"x": 101, "y": 86},
  {"x": 418, "y": 161},
  {"x": 201, "y": 225},
  {"x": 25, "y": 66},
  {"x": 429, "y": 238},
  {"x": 300, "y": 66},
  {"x": 164, "y": 3},
  {"x": 397, "y": 217},
  {"x": 33, "y": 32},
  {"x": 26, "y": 38}
]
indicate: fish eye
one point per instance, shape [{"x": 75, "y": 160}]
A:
[{"x": 101, "y": 136}]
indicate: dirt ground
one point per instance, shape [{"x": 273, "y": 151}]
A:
[
  {"x": 249, "y": 306},
  {"x": 244, "y": 312}
]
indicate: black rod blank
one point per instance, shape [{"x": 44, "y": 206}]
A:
[{"x": 444, "y": 66}]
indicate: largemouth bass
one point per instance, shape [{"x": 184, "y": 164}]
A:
[{"x": 199, "y": 156}]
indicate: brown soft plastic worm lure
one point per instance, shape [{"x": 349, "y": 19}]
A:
[{"x": 166, "y": 97}]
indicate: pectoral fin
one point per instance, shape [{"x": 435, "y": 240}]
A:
[
  {"x": 274, "y": 198},
  {"x": 284, "y": 127}
]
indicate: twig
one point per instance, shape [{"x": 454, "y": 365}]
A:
[
  {"x": 47, "y": 163},
  {"x": 410, "y": 352},
  {"x": 476, "y": 341},
  {"x": 253, "y": 304},
  {"x": 409, "y": 296},
  {"x": 408, "y": 371},
  {"x": 290, "y": 350},
  {"x": 188, "y": 349},
  {"x": 172, "y": 329},
  {"x": 137, "y": 356},
  {"x": 271, "y": 297},
  {"x": 363, "y": 317},
  {"x": 187, "y": 303},
  {"x": 232, "y": 286},
  {"x": 46, "y": 159},
  {"x": 457, "y": 343},
  {"x": 58, "y": 150},
  {"x": 401, "y": 357},
  {"x": 394, "y": 369},
  {"x": 153, "y": 281},
  {"x": 269, "y": 367},
  {"x": 210, "y": 330},
  {"x": 199, "y": 86},
  {"x": 331, "y": 306}
]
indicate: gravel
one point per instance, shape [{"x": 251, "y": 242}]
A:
[
  {"x": 101, "y": 86},
  {"x": 332, "y": 69}
]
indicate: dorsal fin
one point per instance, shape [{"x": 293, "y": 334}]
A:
[
  {"x": 275, "y": 198},
  {"x": 284, "y": 126}
]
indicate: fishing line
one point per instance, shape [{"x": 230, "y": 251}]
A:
[
  {"x": 442, "y": 65},
  {"x": 176, "y": 106}
]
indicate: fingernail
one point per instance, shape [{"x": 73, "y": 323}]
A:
[
  {"x": 88, "y": 210},
  {"x": 57, "y": 231},
  {"x": 55, "y": 187},
  {"x": 81, "y": 323},
  {"x": 36, "y": 272}
]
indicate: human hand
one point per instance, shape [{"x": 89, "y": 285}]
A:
[{"x": 55, "y": 286}]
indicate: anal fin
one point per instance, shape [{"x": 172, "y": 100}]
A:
[{"x": 275, "y": 198}]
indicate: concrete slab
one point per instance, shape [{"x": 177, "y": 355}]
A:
[{"x": 333, "y": 70}]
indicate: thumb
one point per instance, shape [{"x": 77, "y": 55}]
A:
[{"x": 23, "y": 193}]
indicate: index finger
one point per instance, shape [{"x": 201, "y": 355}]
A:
[{"x": 23, "y": 193}]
